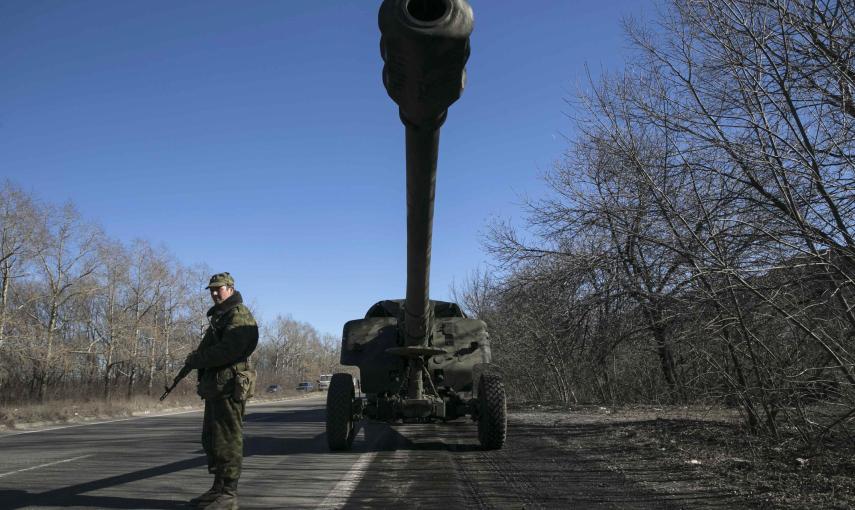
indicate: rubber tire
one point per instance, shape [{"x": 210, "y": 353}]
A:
[
  {"x": 492, "y": 412},
  {"x": 340, "y": 425}
]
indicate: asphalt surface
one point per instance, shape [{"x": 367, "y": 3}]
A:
[{"x": 157, "y": 463}]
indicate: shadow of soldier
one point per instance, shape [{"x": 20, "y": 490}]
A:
[
  {"x": 74, "y": 495},
  {"x": 301, "y": 423}
]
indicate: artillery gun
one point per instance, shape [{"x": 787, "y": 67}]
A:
[{"x": 419, "y": 360}]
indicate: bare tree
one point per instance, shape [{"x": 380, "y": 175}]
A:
[
  {"x": 65, "y": 262},
  {"x": 708, "y": 201},
  {"x": 18, "y": 215}
]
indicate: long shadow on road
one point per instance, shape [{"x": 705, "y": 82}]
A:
[
  {"x": 73, "y": 495},
  {"x": 78, "y": 495}
]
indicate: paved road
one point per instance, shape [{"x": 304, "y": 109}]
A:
[{"x": 157, "y": 462}]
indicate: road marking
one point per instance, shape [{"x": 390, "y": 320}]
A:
[
  {"x": 338, "y": 496},
  {"x": 45, "y": 465},
  {"x": 342, "y": 490}
]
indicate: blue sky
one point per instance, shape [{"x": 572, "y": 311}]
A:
[{"x": 257, "y": 138}]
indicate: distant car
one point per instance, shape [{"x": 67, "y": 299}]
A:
[
  {"x": 324, "y": 382},
  {"x": 274, "y": 388},
  {"x": 305, "y": 386}
]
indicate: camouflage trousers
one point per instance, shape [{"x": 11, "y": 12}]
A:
[{"x": 222, "y": 436}]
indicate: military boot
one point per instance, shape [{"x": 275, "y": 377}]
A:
[
  {"x": 211, "y": 493},
  {"x": 227, "y": 498}
]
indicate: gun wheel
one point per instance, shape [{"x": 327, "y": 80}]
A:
[
  {"x": 341, "y": 427},
  {"x": 492, "y": 412}
]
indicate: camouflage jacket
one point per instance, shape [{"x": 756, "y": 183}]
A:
[{"x": 231, "y": 337}]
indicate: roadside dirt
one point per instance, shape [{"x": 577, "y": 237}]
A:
[{"x": 679, "y": 458}]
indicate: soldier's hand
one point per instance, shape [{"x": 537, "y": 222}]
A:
[{"x": 189, "y": 359}]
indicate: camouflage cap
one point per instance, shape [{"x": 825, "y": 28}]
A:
[{"x": 221, "y": 280}]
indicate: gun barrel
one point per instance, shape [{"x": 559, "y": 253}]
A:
[
  {"x": 185, "y": 369},
  {"x": 422, "y": 151},
  {"x": 424, "y": 45}
]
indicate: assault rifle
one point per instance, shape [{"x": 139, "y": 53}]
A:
[{"x": 185, "y": 370}]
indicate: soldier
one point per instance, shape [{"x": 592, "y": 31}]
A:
[{"x": 222, "y": 362}]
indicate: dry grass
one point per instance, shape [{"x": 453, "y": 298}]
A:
[
  {"x": 71, "y": 411},
  {"x": 26, "y": 416}
]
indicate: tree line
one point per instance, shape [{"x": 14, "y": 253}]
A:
[
  {"x": 84, "y": 316},
  {"x": 697, "y": 241}
]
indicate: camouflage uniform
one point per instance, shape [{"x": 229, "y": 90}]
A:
[{"x": 229, "y": 340}]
